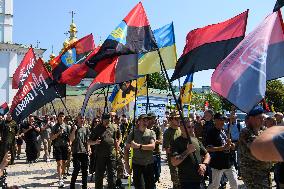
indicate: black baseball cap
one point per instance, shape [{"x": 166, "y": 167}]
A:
[{"x": 105, "y": 116}]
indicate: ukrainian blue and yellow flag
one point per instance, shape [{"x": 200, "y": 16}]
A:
[
  {"x": 124, "y": 93},
  {"x": 150, "y": 62},
  {"x": 186, "y": 90}
]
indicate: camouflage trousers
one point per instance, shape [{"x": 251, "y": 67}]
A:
[
  {"x": 256, "y": 179},
  {"x": 174, "y": 173},
  {"x": 119, "y": 165}
]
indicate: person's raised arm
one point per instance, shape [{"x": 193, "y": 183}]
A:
[{"x": 269, "y": 145}]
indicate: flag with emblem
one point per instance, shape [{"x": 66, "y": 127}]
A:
[
  {"x": 132, "y": 36},
  {"x": 186, "y": 90},
  {"x": 4, "y": 108},
  {"x": 24, "y": 69},
  {"x": 206, "y": 47},
  {"x": 124, "y": 93},
  {"x": 71, "y": 60},
  {"x": 242, "y": 75}
]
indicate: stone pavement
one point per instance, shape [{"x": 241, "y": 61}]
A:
[{"x": 43, "y": 175}]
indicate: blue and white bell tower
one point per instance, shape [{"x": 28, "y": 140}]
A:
[{"x": 11, "y": 54}]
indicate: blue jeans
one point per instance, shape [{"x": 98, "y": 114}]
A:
[{"x": 191, "y": 185}]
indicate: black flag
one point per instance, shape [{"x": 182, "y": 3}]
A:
[
  {"x": 38, "y": 89},
  {"x": 278, "y": 5}
]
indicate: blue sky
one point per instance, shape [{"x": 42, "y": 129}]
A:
[{"x": 47, "y": 21}]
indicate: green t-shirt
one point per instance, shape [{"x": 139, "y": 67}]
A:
[
  {"x": 187, "y": 170},
  {"x": 142, "y": 157},
  {"x": 63, "y": 139},
  {"x": 80, "y": 143},
  {"x": 107, "y": 136},
  {"x": 169, "y": 136}
]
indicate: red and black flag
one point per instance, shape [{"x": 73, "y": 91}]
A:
[
  {"x": 132, "y": 36},
  {"x": 37, "y": 90},
  {"x": 278, "y": 5},
  {"x": 4, "y": 109},
  {"x": 206, "y": 47},
  {"x": 24, "y": 69},
  {"x": 71, "y": 58},
  {"x": 241, "y": 77}
]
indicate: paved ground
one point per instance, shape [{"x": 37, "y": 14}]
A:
[{"x": 43, "y": 175}]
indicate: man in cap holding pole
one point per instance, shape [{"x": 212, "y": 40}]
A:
[{"x": 172, "y": 133}]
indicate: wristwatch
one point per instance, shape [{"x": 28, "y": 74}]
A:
[{"x": 140, "y": 147}]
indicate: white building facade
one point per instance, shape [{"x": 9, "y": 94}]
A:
[{"x": 11, "y": 54}]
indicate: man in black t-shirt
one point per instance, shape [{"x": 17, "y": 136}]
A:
[
  {"x": 31, "y": 132},
  {"x": 221, "y": 160},
  {"x": 190, "y": 172},
  {"x": 60, "y": 134}
]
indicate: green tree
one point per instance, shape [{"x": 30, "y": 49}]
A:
[
  {"x": 275, "y": 94},
  {"x": 157, "y": 81}
]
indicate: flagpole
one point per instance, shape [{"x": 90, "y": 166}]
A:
[
  {"x": 133, "y": 128},
  {"x": 53, "y": 108},
  {"x": 147, "y": 104},
  {"x": 106, "y": 96},
  {"x": 63, "y": 103},
  {"x": 163, "y": 69}
]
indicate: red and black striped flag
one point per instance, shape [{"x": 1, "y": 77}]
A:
[
  {"x": 24, "y": 69},
  {"x": 38, "y": 89},
  {"x": 132, "y": 36},
  {"x": 206, "y": 47}
]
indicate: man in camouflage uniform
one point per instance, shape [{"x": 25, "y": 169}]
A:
[
  {"x": 12, "y": 130},
  {"x": 170, "y": 135},
  {"x": 104, "y": 137},
  {"x": 119, "y": 155},
  {"x": 255, "y": 173}
]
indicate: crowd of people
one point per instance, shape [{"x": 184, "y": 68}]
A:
[{"x": 209, "y": 147}]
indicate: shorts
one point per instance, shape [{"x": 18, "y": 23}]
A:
[
  {"x": 60, "y": 153},
  {"x": 19, "y": 141}
]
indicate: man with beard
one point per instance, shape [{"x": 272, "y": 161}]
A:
[{"x": 31, "y": 132}]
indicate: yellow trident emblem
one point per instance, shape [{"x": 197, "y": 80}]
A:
[{"x": 118, "y": 33}]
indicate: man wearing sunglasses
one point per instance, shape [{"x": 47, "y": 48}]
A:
[{"x": 190, "y": 172}]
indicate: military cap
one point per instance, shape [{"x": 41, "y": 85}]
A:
[{"x": 256, "y": 111}]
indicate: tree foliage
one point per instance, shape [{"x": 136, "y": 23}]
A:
[
  {"x": 215, "y": 102},
  {"x": 275, "y": 94},
  {"x": 157, "y": 81}
]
